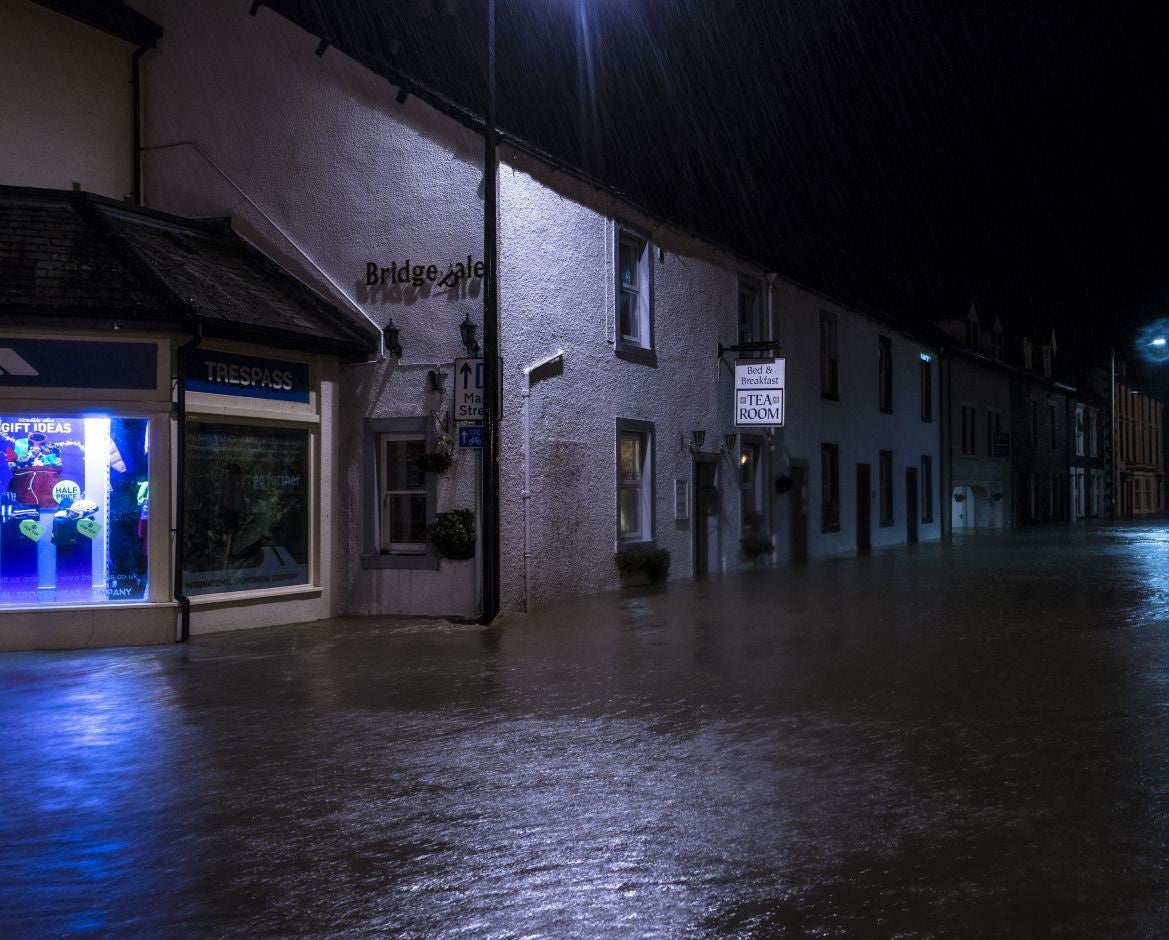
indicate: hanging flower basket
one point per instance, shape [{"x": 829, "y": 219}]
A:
[
  {"x": 435, "y": 461},
  {"x": 959, "y": 497}
]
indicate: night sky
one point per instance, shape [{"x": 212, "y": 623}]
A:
[{"x": 1016, "y": 152}]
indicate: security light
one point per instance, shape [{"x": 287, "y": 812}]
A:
[
  {"x": 390, "y": 333},
  {"x": 467, "y": 332}
]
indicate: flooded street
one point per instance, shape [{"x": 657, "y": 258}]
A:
[{"x": 967, "y": 740}]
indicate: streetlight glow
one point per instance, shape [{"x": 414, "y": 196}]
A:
[{"x": 1159, "y": 341}]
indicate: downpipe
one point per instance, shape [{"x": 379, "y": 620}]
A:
[
  {"x": 526, "y": 494},
  {"x": 180, "y": 486}
]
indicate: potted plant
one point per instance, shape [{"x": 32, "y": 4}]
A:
[
  {"x": 453, "y": 534},
  {"x": 643, "y": 564}
]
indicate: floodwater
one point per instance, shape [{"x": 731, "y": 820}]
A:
[{"x": 969, "y": 740}]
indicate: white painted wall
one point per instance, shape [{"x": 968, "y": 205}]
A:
[
  {"x": 236, "y": 107},
  {"x": 983, "y": 386},
  {"x": 854, "y": 422},
  {"x": 557, "y": 287},
  {"x": 65, "y": 106},
  {"x": 383, "y": 181}
]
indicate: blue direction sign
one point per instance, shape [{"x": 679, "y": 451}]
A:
[
  {"x": 471, "y": 435},
  {"x": 467, "y": 400}
]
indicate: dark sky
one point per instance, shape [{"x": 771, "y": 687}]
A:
[{"x": 1017, "y": 150}]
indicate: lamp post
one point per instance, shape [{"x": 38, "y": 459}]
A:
[{"x": 491, "y": 376}]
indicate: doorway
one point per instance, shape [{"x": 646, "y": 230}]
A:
[
  {"x": 961, "y": 508},
  {"x": 706, "y": 514},
  {"x": 864, "y": 509},
  {"x": 911, "y": 505}
]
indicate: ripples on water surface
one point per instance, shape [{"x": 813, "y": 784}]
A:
[{"x": 955, "y": 741}]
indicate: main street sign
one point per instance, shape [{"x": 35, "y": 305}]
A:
[
  {"x": 759, "y": 388},
  {"x": 467, "y": 400}
]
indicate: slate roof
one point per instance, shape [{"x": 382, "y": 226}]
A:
[{"x": 76, "y": 256}]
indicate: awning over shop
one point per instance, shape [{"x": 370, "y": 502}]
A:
[{"x": 80, "y": 260}]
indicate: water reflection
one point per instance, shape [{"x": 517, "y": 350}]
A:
[{"x": 965, "y": 740}]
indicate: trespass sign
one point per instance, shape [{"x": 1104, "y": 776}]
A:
[
  {"x": 759, "y": 386},
  {"x": 223, "y": 373}
]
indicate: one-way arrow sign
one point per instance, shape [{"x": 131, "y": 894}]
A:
[{"x": 467, "y": 401}]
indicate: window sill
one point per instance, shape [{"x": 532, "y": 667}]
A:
[
  {"x": 829, "y": 396},
  {"x": 886, "y": 411},
  {"x": 403, "y": 562},
  {"x": 639, "y": 354},
  {"x": 828, "y": 529},
  {"x": 626, "y": 544},
  {"x": 286, "y": 592},
  {"x": 886, "y": 525}
]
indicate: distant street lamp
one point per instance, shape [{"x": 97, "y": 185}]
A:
[{"x": 1159, "y": 341}]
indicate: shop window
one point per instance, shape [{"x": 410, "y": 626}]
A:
[
  {"x": 247, "y": 508},
  {"x": 751, "y": 489},
  {"x": 634, "y": 327},
  {"x": 403, "y": 494},
  {"x": 829, "y": 488},
  {"x": 634, "y": 481},
  {"x": 75, "y": 511},
  {"x": 886, "y": 473}
]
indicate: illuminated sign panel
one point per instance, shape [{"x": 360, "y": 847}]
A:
[{"x": 222, "y": 373}]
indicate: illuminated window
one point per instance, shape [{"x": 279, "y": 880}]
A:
[
  {"x": 75, "y": 511},
  {"x": 634, "y": 292},
  {"x": 634, "y": 481},
  {"x": 752, "y": 516}
]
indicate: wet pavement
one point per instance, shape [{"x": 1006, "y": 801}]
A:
[{"x": 969, "y": 740}]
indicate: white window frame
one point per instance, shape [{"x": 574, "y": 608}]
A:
[
  {"x": 641, "y": 292},
  {"x": 754, "y": 330},
  {"x": 384, "y": 494},
  {"x": 643, "y": 432}
]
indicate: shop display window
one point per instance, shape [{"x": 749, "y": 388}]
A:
[
  {"x": 74, "y": 511},
  {"x": 247, "y": 508}
]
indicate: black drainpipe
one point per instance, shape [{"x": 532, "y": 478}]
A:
[
  {"x": 136, "y": 116},
  {"x": 181, "y": 488}
]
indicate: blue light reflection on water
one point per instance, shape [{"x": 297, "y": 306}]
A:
[{"x": 87, "y": 753}]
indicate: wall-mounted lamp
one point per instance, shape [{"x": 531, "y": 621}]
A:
[
  {"x": 467, "y": 332},
  {"x": 390, "y": 332},
  {"x": 437, "y": 379},
  {"x": 729, "y": 440},
  {"x": 697, "y": 438}
]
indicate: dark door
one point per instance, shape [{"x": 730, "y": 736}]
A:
[
  {"x": 799, "y": 512},
  {"x": 705, "y": 518},
  {"x": 864, "y": 508},
  {"x": 911, "y": 505}
]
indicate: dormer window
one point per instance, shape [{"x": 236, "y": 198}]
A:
[
  {"x": 973, "y": 335},
  {"x": 996, "y": 345}
]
